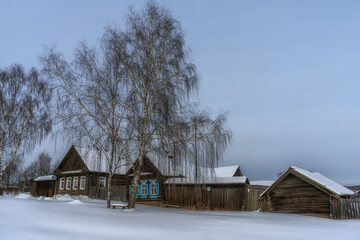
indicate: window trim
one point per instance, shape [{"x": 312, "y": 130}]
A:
[
  {"x": 68, "y": 186},
  {"x": 75, "y": 180},
  {"x": 62, "y": 183},
  {"x": 102, "y": 177},
  {"x": 82, "y": 179},
  {"x": 144, "y": 183},
  {"x": 156, "y": 187}
]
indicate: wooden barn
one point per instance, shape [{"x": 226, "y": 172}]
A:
[
  {"x": 302, "y": 192},
  {"x": 225, "y": 189},
  {"x": 83, "y": 171}
]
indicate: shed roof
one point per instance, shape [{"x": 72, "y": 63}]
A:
[
  {"x": 262, "y": 183},
  {"x": 227, "y": 171},
  {"x": 316, "y": 179},
  {"x": 45, "y": 178}
]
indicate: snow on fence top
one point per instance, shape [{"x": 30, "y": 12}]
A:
[{"x": 45, "y": 178}]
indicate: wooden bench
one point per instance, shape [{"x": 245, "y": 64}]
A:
[{"x": 120, "y": 205}]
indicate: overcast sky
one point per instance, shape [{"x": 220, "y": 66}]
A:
[{"x": 287, "y": 71}]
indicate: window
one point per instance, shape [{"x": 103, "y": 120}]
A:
[
  {"x": 62, "y": 183},
  {"x": 75, "y": 183},
  {"x": 143, "y": 189},
  {"x": 153, "y": 187},
  {"x": 82, "y": 182},
  {"x": 68, "y": 183},
  {"x": 102, "y": 182}
]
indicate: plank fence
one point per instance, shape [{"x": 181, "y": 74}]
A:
[
  {"x": 118, "y": 192},
  {"x": 345, "y": 208}
]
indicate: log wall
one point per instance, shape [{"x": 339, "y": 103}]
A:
[{"x": 294, "y": 195}]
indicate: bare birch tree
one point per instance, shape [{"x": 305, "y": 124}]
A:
[
  {"x": 159, "y": 73},
  {"x": 137, "y": 93},
  {"x": 24, "y": 113},
  {"x": 91, "y": 102}
]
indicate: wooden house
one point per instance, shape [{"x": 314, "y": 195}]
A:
[
  {"x": 84, "y": 171},
  {"x": 302, "y": 192},
  {"x": 150, "y": 189},
  {"x": 224, "y": 188}
]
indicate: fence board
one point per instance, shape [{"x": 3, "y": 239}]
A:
[{"x": 345, "y": 208}]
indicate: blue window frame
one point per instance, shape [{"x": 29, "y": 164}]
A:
[
  {"x": 138, "y": 190},
  {"x": 144, "y": 188},
  {"x": 147, "y": 188}
]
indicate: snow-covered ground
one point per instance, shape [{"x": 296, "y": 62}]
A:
[{"x": 64, "y": 218}]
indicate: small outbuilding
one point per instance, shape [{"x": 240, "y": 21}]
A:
[
  {"x": 44, "y": 186},
  {"x": 303, "y": 192}
]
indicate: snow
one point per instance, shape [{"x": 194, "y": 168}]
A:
[
  {"x": 71, "y": 172},
  {"x": 46, "y": 178},
  {"x": 320, "y": 179},
  {"x": 227, "y": 171},
  {"x": 262, "y": 183},
  {"x": 325, "y": 182},
  {"x": 213, "y": 180},
  {"x": 24, "y": 196},
  {"x": 75, "y": 202},
  {"x": 57, "y": 220}
]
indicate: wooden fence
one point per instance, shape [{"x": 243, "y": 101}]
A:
[
  {"x": 345, "y": 208},
  {"x": 215, "y": 197},
  {"x": 118, "y": 193}
]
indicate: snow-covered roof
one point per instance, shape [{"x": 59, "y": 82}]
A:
[
  {"x": 70, "y": 172},
  {"x": 262, "y": 183},
  {"x": 96, "y": 160},
  {"x": 45, "y": 178},
  {"x": 324, "y": 181},
  {"x": 213, "y": 180},
  {"x": 227, "y": 171},
  {"x": 315, "y": 178}
]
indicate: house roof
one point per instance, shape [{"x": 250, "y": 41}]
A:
[
  {"x": 227, "y": 171},
  {"x": 316, "y": 179},
  {"x": 187, "y": 169},
  {"x": 96, "y": 160},
  {"x": 209, "y": 180}
]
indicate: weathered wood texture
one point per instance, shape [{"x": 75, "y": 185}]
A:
[
  {"x": 345, "y": 208},
  {"x": 43, "y": 188},
  {"x": 208, "y": 197},
  {"x": 71, "y": 162},
  {"x": 118, "y": 193},
  {"x": 253, "y": 199},
  {"x": 294, "y": 195}
]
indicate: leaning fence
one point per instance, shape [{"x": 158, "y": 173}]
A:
[{"x": 345, "y": 208}]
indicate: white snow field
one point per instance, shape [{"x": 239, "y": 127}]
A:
[{"x": 51, "y": 219}]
